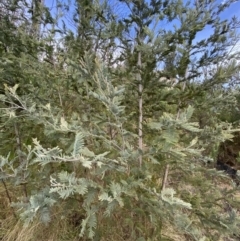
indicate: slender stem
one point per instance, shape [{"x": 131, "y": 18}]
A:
[
  {"x": 8, "y": 196},
  {"x": 164, "y": 182},
  {"x": 19, "y": 150},
  {"x": 6, "y": 190},
  {"x": 140, "y": 106}
]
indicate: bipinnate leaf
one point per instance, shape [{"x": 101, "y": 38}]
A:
[
  {"x": 78, "y": 144},
  {"x": 167, "y": 195}
]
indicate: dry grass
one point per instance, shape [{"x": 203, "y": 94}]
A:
[
  {"x": 12, "y": 229},
  {"x": 36, "y": 231},
  {"x": 116, "y": 228}
]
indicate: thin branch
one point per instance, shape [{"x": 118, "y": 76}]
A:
[
  {"x": 140, "y": 103},
  {"x": 164, "y": 182},
  {"x": 19, "y": 150},
  {"x": 9, "y": 197}
]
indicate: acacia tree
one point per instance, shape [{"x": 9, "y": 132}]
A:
[
  {"x": 173, "y": 54},
  {"x": 83, "y": 139},
  {"x": 23, "y": 56}
]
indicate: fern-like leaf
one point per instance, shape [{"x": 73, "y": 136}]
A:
[{"x": 78, "y": 144}]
